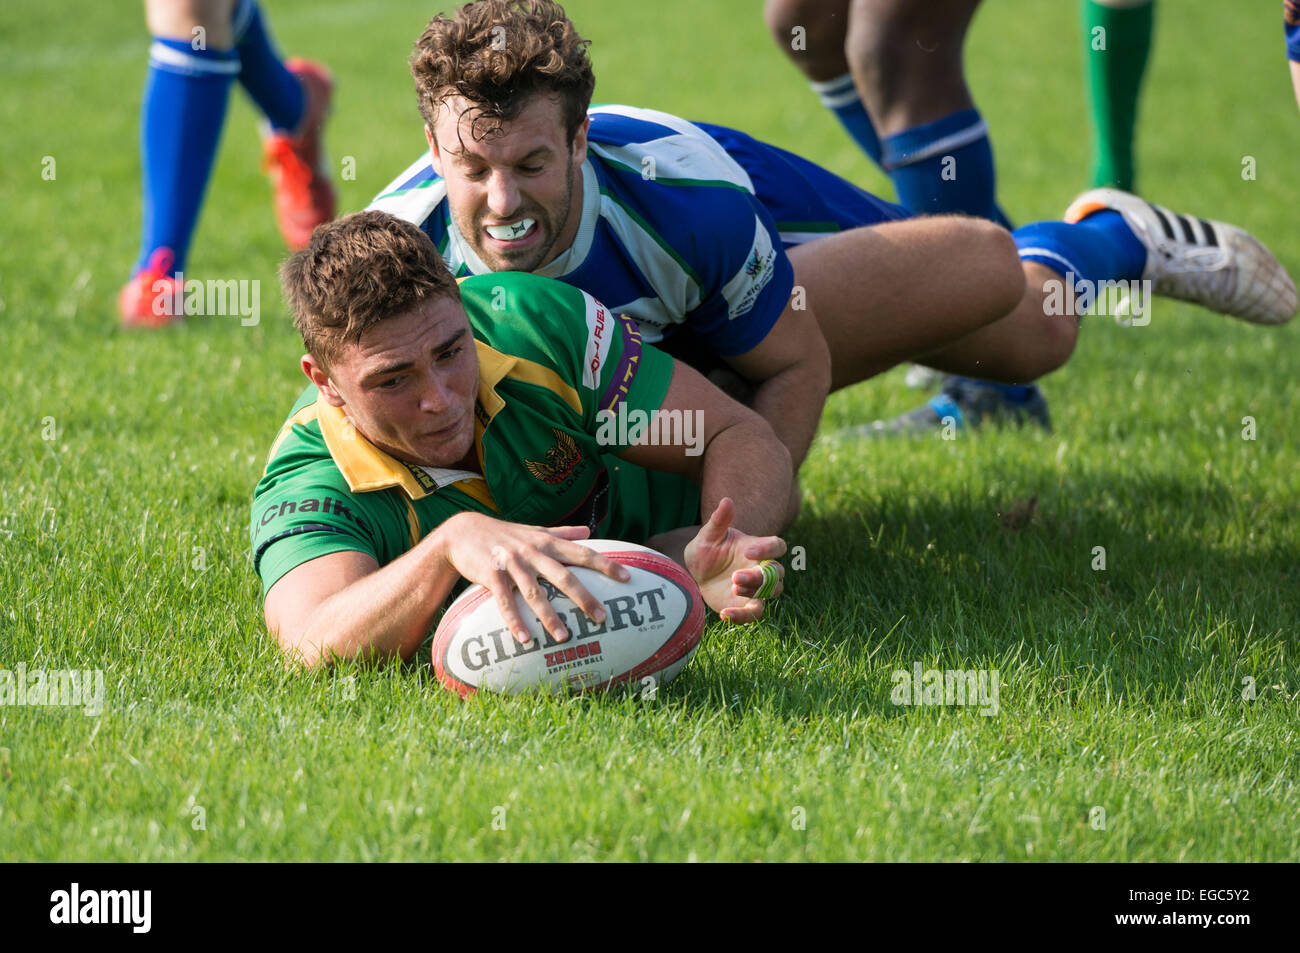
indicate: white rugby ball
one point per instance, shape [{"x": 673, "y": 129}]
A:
[{"x": 652, "y": 627}]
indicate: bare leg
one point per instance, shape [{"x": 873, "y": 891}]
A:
[
  {"x": 906, "y": 59},
  {"x": 811, "y": 33},
  {"x": 1019, "y": 348},
  {"x": 178, "y": 19},
  {"x": 893, "y": 292}
]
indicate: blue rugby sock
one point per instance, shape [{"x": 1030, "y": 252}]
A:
[
  {"x": 840, "y": 96},
  {"x": 275, "y": 90},
  {"x": 945, "y": 166},
  {"x": 1100, "y": 248},
  {"x": 184, "y": 107}
]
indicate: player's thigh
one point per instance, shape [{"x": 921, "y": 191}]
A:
[
  {"x": 885, "y": 293},
  {"x": 178, "y": 19}
]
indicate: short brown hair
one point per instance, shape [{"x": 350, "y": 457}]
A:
[
  {"x": 498, "y": 54},
  {"x": 357, "y": 271}
]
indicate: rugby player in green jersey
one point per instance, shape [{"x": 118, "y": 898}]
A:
[{"x": 476, "y": 431}]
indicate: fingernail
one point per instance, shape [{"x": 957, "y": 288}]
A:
[
  {"x": 559, "y": 634},
  {"x": 624, "y": 575},
  {"x": 598, "y": 615}
]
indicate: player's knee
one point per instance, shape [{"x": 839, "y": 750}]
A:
[
  {"x": 810, "y": 35},
  {"x": 1001, "y": 274},
  {"x": 1061, "y": 335},
  {"x": 783, "y": 17}
]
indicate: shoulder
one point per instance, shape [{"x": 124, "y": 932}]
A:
[
  {"x": 671, "y": 191},
  {"x": 662, "y": 148},
  {"x": 525, "y": 314},
  {"x": 541, "y": 323},
  {"x": 414, "y": 194}
]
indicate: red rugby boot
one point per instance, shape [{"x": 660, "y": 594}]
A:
[
  {"x": 304, "y": 191},
  {"x": 151, "y": 298}
]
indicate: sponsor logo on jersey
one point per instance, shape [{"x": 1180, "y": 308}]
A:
[
  {"x": 600, "y": 329},
  {"x": 561, "y": 460},
  {"x": 325, "y": 505},
  {"x": 760, "y": 265}
]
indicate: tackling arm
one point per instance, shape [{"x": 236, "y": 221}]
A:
[
  {"x": 745, "y": 476},
  {"x": 792, "y": 369}
]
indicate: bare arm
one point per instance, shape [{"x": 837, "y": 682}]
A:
[
  {"x": 745, "y": 477},
  {"x": 343, "y": 606},
  {"x": 792, "y": 370},
  {"x": 741, "y": 457}
]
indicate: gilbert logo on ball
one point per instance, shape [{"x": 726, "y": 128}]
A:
[{"x": 652, "y": 627}]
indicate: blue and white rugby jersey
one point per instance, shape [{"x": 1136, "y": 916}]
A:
[{"x": 681, "y": 223}]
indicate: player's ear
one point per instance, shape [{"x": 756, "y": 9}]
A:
[
  {"x": 435, "y": 157},
  {"x": 580, "y": 140},
  {"x": 320, "y": 377}
]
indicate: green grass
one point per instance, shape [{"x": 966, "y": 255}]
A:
[{"x": 123, "y": 543}]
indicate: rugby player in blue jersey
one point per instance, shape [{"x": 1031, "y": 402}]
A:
[{"x": 722, "y": 247}]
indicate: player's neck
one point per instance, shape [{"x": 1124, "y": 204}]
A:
[{"x": 569, "y": 233}]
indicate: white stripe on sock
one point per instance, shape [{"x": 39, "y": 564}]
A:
[
  {"x": 841, "y": 99},
  {"x": 1067, "y": 267},
  {"x": 838, "y": 84},
  {"x": 962, "y": 137},
  {"x": 164, "y": 57}
]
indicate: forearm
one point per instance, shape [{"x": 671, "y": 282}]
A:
[
  {"x": 1295, "y": 79},
  {"x": 747, "y": 463},
  {"x": 383, "y": 615},
  {"x": 791, "y": 402}
]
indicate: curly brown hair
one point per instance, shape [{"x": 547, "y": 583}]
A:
[
  {"x": 358, "y": 271},
  {"x": 497, "y": 54}
]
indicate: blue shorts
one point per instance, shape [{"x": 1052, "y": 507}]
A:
[{"x": 805, "y": 200}]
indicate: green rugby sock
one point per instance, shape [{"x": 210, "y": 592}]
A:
[{"x": 1114, "y": 82}]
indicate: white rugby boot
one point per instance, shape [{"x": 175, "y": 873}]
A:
[{"x": 1213, "y": 264}]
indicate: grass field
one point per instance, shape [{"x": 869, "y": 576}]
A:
[{"x": 130, "y": 461}]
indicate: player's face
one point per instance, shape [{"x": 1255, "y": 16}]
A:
[
  {"x": 409, "y": 385},
  {"x": 516, "y": 195}
]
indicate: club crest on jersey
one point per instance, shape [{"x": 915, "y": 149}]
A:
[
  {"x": 561, "y": 460},
  {"x": 742, "y": 291}
]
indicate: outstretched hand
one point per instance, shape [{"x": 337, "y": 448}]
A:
[{"x": 724, "y": 562}]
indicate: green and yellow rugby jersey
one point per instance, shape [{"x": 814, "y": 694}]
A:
[{"x": 550, "y": 357}]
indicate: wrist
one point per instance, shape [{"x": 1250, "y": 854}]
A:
[{"x": 442, "y": 541}]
